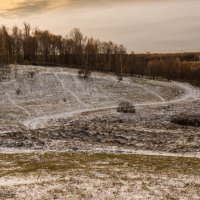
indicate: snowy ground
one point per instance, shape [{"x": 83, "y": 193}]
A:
[
  {"x": 54, "y": 93},
  {"x": 46, "y": 113}
]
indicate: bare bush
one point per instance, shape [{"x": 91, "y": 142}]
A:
[
  {"x": 18, "y": 91},
  {"x": 84, "y": 73},
  {"x": 64, "y": 99},
  {"x": 80, "y": 73},
  {"x": 126, "y": 107},
  {"x": 120, "y": 77},
  {"x": 32, "y": 74},
  {"x": 187, "y": 120}
]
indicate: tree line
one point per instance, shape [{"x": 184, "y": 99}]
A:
[{"x": 40, "y": 47}]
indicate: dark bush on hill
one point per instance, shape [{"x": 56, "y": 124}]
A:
[
  {"x": 31, "y": 74},
  {"x": 126, "y": 107},
  {"x": 18, "y": 91},
  {"x": 187, "y": 120}
]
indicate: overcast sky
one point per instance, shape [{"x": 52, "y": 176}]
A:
[{"x": 141, "y": 25}]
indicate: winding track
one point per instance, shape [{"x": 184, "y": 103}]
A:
[{"x": 190, "y": 93}]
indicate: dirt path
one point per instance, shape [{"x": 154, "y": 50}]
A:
[
  {"x": 190, "y": 93},
  {"x": 41, "y": 122}
]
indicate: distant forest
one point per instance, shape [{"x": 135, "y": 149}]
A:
[{"x": 38, "y": 47}]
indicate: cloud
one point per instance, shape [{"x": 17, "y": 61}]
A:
[{"x": 14, "y": 8}]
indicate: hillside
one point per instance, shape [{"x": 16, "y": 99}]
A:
[{"x": 55, "y": 124}]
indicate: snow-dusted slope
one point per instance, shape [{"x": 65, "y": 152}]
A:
[{"x": 54, "y": 93}]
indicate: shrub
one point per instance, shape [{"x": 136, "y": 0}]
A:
[
  {"x": 186, "y": 120},
  {"x": 126, "y": 107},
  {"x": 64, "y": 99},
  {"x": 31, "y": 74},
  {"x": 18, "y": 91},
  {"x": 84, "y": 73},
  {"x": 80, "y": 73},
  {"x": 87, "y": 74},
  {"x": 120, "y": 77}
]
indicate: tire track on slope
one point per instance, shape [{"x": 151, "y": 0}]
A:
[
  {"x": 65, "y": 89},
  {"x": 17, "y": 105},
  {"x": 150, "y": 91},
  {"x": 190, "y": 93}
]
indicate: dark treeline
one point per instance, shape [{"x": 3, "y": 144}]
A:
[{"x": 38, "y": 47}]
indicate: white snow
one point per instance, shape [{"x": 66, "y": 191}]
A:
[{"x": 42, "y": 96}]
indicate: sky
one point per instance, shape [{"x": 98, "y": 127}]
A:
[{"x": 141, "y": 25}]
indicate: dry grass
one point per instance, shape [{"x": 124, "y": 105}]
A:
[
  {"x": 31, "y": 162},
  {"x": 97, "y": 176}
]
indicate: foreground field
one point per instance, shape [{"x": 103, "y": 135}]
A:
[
  {"x": 62, "y": 138},
  {"x": 98, "y": 176}
]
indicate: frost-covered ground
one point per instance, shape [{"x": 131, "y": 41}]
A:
[
  {"x": 53, "y": 93},
  {"x": 48, "y": 113}
]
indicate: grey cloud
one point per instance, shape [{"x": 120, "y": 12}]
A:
[{"x": 29, "y": 7}]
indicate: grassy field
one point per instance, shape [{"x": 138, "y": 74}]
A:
[
  {"x": 54, "y": 175},
  {"x": 52, "y": 161}
]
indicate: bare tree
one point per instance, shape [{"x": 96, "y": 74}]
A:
[
  {"x": 26, "y": 42},
  {"x": 4, "y": 52},
  {"x": 120, "y": 52},
  {"x": 17, "y": 45}
]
